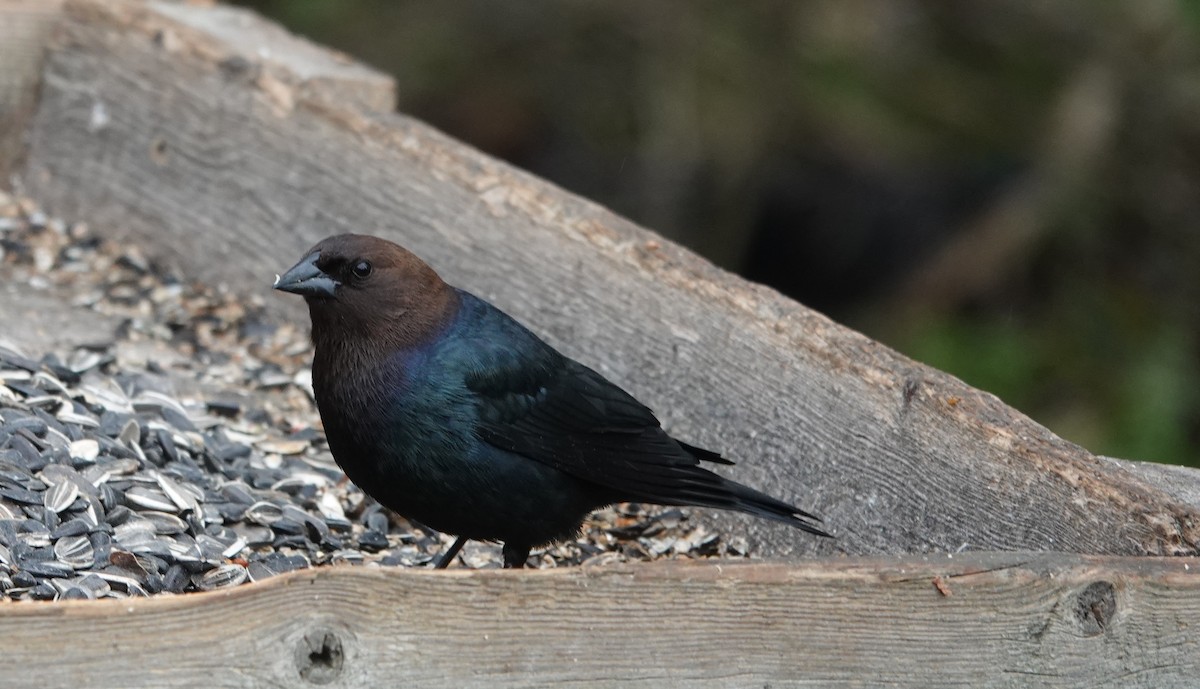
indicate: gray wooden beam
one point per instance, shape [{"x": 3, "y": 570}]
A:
[
  {"x": 981, "y": 620},
  {"x": 24, "y": 31}
]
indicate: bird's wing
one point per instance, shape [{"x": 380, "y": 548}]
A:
[
  {"x": 559, "y": 412},
  {"x": 536, "y": 403}
]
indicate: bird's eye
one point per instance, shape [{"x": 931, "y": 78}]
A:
[{"x": 361, "y": 269}]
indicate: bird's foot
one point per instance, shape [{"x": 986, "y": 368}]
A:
[
  {"x": 515, "y": 556},
  {"x": 451, "y": 552}
]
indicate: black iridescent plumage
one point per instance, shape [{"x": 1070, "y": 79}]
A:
[{"x": 450, "y": 412}]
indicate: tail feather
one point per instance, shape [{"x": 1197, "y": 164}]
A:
[
  {"x": 759, "y": 504},
  {"x": 703, "y": 488},
  {"x": 704, "y": 455}
]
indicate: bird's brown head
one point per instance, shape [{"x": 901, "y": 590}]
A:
[{"x": 358, "y": 286}]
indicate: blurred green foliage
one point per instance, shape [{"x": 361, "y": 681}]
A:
[{"x": 1006, "y": 190}]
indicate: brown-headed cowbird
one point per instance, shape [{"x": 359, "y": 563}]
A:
[{"x": 448, "y": 411}]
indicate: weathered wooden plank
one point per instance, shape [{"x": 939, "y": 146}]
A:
[
  {"x": 231, "y": 173},
  {"x": 24, "y": 27},
  {"x": 982, "y": 620}
]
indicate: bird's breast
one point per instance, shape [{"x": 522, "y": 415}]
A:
[{"x": 397, "y": 422}]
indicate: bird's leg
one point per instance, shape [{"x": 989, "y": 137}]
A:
[
  {"x": 448, "y": 556},
  {"x": 515, "y": 555}
]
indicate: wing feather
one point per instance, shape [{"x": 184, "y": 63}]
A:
[{"x": 534, "y": 402}]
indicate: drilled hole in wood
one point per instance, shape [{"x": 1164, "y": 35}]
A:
[{"x": 319, "y": 656}]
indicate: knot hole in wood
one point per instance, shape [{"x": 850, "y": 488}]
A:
[
  {"x": 320, "y": 656},
  {"x": 1096, "y": 607},
  {"x": 158, "y": 151}
]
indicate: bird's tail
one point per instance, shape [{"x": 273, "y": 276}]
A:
[
  {"x": 746, "y": 499},
  {"x": 699, "y": 487},
  {"x": 721, "y": 493}
]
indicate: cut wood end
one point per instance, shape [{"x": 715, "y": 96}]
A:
[{"x": 221, "y": 35}]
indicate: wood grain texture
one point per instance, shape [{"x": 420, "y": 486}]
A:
[
  {"x": 232, "y": 174},
  {"x": 981, "y": 621},
  {"x": 25, "y": 26}
]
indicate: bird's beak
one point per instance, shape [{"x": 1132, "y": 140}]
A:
[{"x": 306, "y": 279}]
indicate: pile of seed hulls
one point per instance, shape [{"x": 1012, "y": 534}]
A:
[{"x": 113, "y": 483}]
